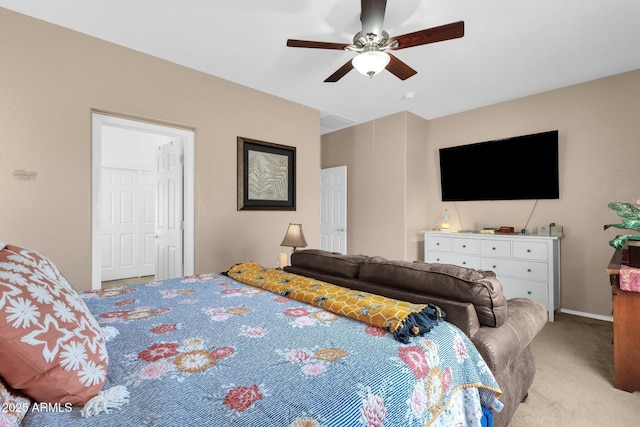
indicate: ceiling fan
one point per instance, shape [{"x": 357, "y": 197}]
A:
[{"x": 372, "y": 43}]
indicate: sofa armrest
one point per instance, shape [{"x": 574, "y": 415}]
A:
[{"x": 501, "y": 346}]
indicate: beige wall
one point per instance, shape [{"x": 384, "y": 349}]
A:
[
  {"x": 386, "y": 183},
  {"x": 51, "y": 79},
  {"x": 417, "y": 177},
  {"x": 375, "y": 155},
  {"x": 599, "y": 157}
]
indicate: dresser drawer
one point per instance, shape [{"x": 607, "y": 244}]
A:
[
  {"x": 439, "y": 257},
  {"x": 530, "y": 250},
  {"x": 497, "y": 248},
  {"x": 464, "y": 246},
  {"x": 468, "y": 261},
  {"x": 518, "y": 288},
  {"x": 437, "y": 243},
  {"x": 521, "y": 269}
]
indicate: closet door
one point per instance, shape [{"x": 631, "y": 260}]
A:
[
  {"x": 119, "y": 223},
  {"x": 128, "y": 223}
]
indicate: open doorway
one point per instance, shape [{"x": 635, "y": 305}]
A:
[{"x": 123, "y": 164}]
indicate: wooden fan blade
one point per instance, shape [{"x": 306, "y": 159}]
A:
[
  {"x": 372, "y": 16},
  {"x": 340, "y": 73},
  {"x": 399, "y": 68},
  {"x": 430, "y": 35},
  {"x": 316, "y": 45}
]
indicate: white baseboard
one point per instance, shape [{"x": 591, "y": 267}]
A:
[{"x": 590, "y": 315}]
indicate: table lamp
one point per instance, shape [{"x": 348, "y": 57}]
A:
[{"x": 294, "y": 237}]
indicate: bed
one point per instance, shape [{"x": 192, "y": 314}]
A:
[{"x": 211, "y": 350}]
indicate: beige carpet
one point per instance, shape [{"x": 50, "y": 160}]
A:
[
  {"x": 573, "y": 385},
  {"x": 125, "y": 282}
]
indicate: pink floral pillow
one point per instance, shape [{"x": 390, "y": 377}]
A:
[
  {"x": 14, "y": 406},
  {"x": 51, "y": 348}
]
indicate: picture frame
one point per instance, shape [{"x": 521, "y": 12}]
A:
[{"x": 266, "y": 176}]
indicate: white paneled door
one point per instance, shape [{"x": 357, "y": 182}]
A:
[
  {"x": 169, "y": 211},
  {"x": 333, "y": 209},
  {"x": 128, "y": 214}
]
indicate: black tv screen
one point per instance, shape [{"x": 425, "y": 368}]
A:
[{"x": 522, "y": 167}]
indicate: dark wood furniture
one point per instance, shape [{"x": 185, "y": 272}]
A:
[{"x": 626, "y": 329}]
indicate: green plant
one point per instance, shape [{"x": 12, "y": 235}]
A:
[{"x": 630, "y": 221}]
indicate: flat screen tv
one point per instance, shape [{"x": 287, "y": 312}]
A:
[{"x": 522, "y": 167}]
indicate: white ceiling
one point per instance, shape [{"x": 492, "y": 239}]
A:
[{"x": 511, "y": 48}]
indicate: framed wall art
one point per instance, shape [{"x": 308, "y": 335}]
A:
[{"x": 266, "y": 176}]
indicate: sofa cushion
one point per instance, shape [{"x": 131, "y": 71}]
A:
[
  {"x": 51, "y": 348},
  {"x": 480, "y": 288},
  {"x": 328, "y": 262}
]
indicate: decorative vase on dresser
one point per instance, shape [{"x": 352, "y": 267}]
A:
[{"x": 527, "y": 266}]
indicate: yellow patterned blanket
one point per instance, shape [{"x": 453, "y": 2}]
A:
[{"x": 402, "y": 319}]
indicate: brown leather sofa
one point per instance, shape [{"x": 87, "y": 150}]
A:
[{"x": 473, "y": 301}]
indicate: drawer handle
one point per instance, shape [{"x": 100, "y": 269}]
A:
[
  {"x": 528, "y": 270},
  {"x": 494, "y": 266},
  {"x": 437, "y": 259},
  {"x": 437, "y": 244},
  {"x": 529, "y": 250},
  {"x": 464, "y": 246},
  {"x": 493, "y": 248},
  {"x": 529, "y": 292},
  {"x": 464, "y": 262}
]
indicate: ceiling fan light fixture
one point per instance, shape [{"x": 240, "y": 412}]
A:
[{"x": 371, "y": 62}]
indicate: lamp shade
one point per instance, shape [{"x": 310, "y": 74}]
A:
[
  {"x": 371, "y": 63},
  {"x": 294, "y": 237}
]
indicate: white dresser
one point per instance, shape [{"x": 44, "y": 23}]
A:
[{"x": 527, "y": 266}]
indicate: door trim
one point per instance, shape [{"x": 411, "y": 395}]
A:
[{"x": 188, "y": 138}]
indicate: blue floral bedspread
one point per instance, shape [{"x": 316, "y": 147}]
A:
[{"x": 210, "y": 351}]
